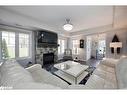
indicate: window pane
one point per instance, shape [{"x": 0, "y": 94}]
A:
[
  {"x": 62, "y": 47},
  {"x": 24, "y": 45},
  {"x": 8, "y": 45},
  {"x": 75, "y": 44},
  {"x": 59, "y": 46}
]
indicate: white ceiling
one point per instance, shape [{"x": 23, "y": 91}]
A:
[{"x": 82, "y": 17}]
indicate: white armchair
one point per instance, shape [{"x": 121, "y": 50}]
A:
[{"x": 67, "y": 54}]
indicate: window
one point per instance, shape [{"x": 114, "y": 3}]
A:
[
  {"x": 24, "y": 45},
  {"x": 8, "y": 45},
  {"x": 75, "y": 46},
  {"x": 61, "y": 48},
  {"x": 14, "y": 44},
  {"x": 101, "y": 46}
]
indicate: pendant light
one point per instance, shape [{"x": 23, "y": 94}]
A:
[{"x": 68, "y": 26}]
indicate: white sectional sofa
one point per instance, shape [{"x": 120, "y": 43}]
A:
[
  {"x": 16, "y": 77},
  {"x": 110, "y": 74},
  {"x": 106, "y": 76},
  {"x": 42, "y": 76},
  {"x": 103, "y": 77}
]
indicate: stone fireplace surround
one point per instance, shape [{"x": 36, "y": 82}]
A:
[
  {"x": 44, "y": 50},
  {"x": 45, "y": 46}
]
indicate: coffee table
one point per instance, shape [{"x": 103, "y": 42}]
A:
[{"x": 72, "y": 72}]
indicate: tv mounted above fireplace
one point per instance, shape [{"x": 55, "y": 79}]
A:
[{"x": 47, "y": 37}]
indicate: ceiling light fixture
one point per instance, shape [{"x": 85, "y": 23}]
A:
[{"x": 67, "y": 26}]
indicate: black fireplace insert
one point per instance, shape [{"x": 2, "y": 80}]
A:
[{"x": 48, "y": 58}]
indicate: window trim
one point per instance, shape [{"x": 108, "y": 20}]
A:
[
  {"x": 17, "y": 32},
  {"x": 30, "y": 46},
  {"x": 0, "y": 45},
  {"x": 60, "y": 53},
  {"x": 75, "y": 51}
]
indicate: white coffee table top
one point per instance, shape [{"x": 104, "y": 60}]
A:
[
  {"x": 76, "y": 70},
  {"x": 71, "y": 67}
]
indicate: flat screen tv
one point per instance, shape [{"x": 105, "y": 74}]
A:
[{"x": 47, "y": 37}]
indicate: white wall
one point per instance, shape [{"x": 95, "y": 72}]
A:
[
  {"x": 88, "y": 47},
  {"x": 82, "y": 52},
  {"x": 14, "y": 18},
  {"x": 120, "y": 20},
  {"x": 83, "y": 34},
  {"x": 122, "y": 35}
]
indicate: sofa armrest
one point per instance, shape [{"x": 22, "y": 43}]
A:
[
  {"x": 41, "y": 75},
  {"x": 33, "y": 67},
  {"x": 78, "y": 87},
  {"x": 109, "y": 62}
]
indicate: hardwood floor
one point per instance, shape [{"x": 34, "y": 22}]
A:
[{"x": 93, "y": 62}]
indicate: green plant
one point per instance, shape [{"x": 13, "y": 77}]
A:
[{"x": 5, "y": 54}]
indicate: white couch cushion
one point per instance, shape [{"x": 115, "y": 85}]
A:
[
  {"x": 107, "y": 76},
  {"x": 123, "y": 56},
  {"x": 43, "y": 76},
  {"x": 12, "y": 74},
  {"x": 15, "y": 76},
  {"x": 96, "y": 82},
  {"x": 34, "y": 85},
  {"x": 121, "y": 70},
  {"x": 109, "y": 62},
  {"x": 106, "y": 68}
]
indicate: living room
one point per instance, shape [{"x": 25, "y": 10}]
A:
[{"x": 63, "y": 47}]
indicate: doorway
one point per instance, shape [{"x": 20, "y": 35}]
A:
[
  {"x": 96, "y": 46},
  {"x": 101, "y": 52}
]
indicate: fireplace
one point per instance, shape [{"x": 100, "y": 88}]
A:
[
  {"x": 46, "y": 47},
  {"x": 48, "y": 58}
]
